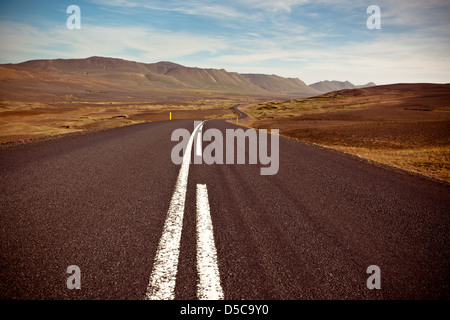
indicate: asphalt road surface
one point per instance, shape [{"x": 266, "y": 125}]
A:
[{"x": 102, "y": 201}]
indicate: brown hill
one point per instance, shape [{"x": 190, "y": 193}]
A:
[
  {"x": 26, "y": 84},
  {"x": 275, "y": 83},
  {"x": 329, "y": 86},
  {"x": 171, "y": 75},
  {"x": 405, "y": 125}
]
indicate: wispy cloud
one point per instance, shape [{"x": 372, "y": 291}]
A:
[
  {"x": 135, "y": 43},
  {"x": 313, "y": 40},
  {"x": 209, "y": 9},
  {"x": 273, "y": 6}
]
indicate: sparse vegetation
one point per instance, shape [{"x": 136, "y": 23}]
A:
[
  {"x": 432, "y": 161},
  {"x": 388, "y": 124},
  {"x": 39, "y": 100},
  {"x": 24, "y": 120}
]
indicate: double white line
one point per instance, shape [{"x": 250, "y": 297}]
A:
[{"x": 163, "y": 278}]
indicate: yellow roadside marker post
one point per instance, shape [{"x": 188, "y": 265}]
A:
[
  {"x": 170, "y": 117},
  {"x": 236, "y": 120}
]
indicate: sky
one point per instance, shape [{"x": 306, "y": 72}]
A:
[{"x": 305, "y": 39}]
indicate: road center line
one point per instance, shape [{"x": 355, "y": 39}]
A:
[
  {"x": 162, "y": 280},
  {"x": 208, "y": 287},
  {"x": 198, "y": 146}
]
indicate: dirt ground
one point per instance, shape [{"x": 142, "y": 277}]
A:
[
  {"x": 407, "y": 126},
  {"x": 35, "y": 104},
  {"x": 21, "y": 120},
  {"x": 402, "y": 125}
]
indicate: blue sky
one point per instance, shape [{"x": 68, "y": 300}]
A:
[{"x": 311, "y": 40}]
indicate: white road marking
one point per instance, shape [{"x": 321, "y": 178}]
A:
[
  {"x": 162, "y": 280},
  {"x": 198, "y": 146},
  {"x": 209, "y": 287}
]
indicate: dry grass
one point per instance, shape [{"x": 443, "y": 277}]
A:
[
  {"x": 405, "y": 126},
  {"x": 293, "y": 108},
  {"x": 432, "y": 162},
  {"x": 21, "y": 120},
  {"x": 36, "y": 103}
]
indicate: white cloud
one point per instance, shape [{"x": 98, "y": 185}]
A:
[
  {"x": 21, "y": 41},
  {"x": 273, "y": 6},
  {"x": 418, "y": 13},
  {"x": 208, "y": 9},
  {"x": 386, "y": 59},
  {"x": 259, "y": 41}
]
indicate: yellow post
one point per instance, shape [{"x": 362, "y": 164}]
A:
[
  {"x": 236, "y": 120},
  {"x": 170, "y": 117}
]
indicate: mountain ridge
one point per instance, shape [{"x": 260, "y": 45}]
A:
[
  {"x": 165, "y": 74},
  {"x": 334, "y": 85}
]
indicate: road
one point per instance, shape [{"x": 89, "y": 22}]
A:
[
  {"x": 101, "y": 201},
  {"x": 242, "y": 115}
]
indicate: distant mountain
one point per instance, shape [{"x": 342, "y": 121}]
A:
[
  {"x": 329, "y": 86},
  {"x": 171, "y": 75},
  {"x": 275, "y": 83}
]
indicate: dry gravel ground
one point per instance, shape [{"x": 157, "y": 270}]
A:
[{"x": 404, "y": 125}]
